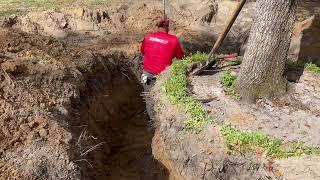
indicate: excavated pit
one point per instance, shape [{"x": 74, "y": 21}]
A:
[
  {"x": 114, "y": 122},
  {"x": 70, "y": 113}
]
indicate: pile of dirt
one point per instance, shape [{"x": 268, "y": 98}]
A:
[
  {"x": 35, "y": 89},
  {"x": 69, "y": 113}
]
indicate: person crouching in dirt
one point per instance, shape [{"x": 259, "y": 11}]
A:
[{"x": 159, "y": 49}]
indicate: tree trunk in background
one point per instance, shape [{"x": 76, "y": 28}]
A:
[{"x": 264, "y": 61}]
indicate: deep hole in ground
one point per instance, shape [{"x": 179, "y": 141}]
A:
[
  {"x": 93, "y": 117},
  {"x": 114, "y": 128}
]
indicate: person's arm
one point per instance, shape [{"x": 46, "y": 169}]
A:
[{"x": 179, "y": 51}]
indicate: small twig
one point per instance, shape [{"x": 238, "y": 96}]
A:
[
  {"x": 92, "y": 149},
  {"x": 104, "y": 95},
  {"x": 81, "y": 126},
  {"x": 81, "y": 135},
  {"x": 80, "y": 160},
  {"x": 7, "y": 75},
  {"x": 93, "y": 137},
  {"x": 105, "y": 67},
  {"x": 125, "y": 75}
]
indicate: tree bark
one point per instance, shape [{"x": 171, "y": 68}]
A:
[{"x": 264, "y": 61}]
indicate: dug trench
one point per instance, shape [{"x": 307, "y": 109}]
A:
[
  {"x": 115, "y": 124},
  {"x": 69, "y": 113}
]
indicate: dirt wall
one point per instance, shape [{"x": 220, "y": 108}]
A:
[{"x": 35, "y": 90}]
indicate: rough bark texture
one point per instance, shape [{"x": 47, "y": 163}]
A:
[{"x": 264, "y": 60}]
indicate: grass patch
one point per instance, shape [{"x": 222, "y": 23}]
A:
[
  {"x": 246, "y": 141},
  {"x": 229, "y": 83},
  {"x": 313, "y": 68},
  {"x": 300, "y": 66},
  {"x": 9, "y": 7},
  {"x": 18, "y": 7},
  {"x": 236, "y": 62},
  {"x": 197, "y": 57},
  {"x": 176, "y": 90},
  {"x": 294, "y": 65}
]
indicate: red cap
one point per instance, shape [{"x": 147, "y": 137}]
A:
[{"x": 163, "y": 22}]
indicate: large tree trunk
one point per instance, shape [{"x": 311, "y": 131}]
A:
[{"x": 264, "y": 61}]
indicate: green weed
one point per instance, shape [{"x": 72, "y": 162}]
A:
[
  {"x": 228, "y": 80},
  {"x": 296, "y": 65},
  {"x": 175, "y": 88},
  {"x": 236, "y": 62},
  {"x": 90, "y": 2},
  {"x": 229, "y": 83},
  {"x": 246, "y": 141},
  {"x": 197, "y": 57},
  {"x": 9, "y": 7},
  {"x": 313, "y": 68}
]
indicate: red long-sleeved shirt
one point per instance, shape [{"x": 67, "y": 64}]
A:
[{"x": 159, "y": 49}]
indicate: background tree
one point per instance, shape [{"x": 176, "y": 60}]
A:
[{"x": 264, "y": 61}]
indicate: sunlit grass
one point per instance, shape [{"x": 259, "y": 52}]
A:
[
  {"x": 313, "y": 68},
  {"x": 176, "y": 90},
  {"x": 10, "y": 7},
  {"x": 229, "y": 83},
  {"x": 245, "y": 141}
]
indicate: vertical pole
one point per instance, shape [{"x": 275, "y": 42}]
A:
[{"x": 164, "y": 9}]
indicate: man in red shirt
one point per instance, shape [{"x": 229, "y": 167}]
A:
[{"x": 159, "y": 49}]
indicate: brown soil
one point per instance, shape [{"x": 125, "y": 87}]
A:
[
  {"x": 35, "y": 87},
  {"x": 70, "y": 113},
  {"x": 66, "y": 111},
  {"x": 293, "y": 117}
]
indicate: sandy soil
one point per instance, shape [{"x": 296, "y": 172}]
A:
[{"x": 293, "y": 117}]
